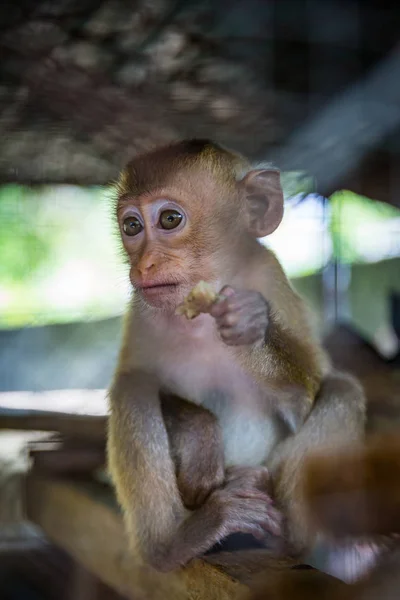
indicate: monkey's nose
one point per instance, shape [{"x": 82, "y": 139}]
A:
[{"x": 146, "y": 265}]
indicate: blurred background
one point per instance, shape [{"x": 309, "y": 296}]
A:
[{"x": 313, "y": 86}]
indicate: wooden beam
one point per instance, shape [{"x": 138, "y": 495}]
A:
[
  {"x": 65, "y": 460},
  {"x": 83, "y": 519},
  {"x": 376, "y": 177},
  {"x": 333, "y": 143},
  {"x": 91, "y": 427}
]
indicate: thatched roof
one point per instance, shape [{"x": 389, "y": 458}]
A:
[{"x": 85, "y": 84}]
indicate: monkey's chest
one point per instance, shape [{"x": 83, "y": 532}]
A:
[
  {"x": 248, "y": 432},
  {"x": 248, "y": 429}
]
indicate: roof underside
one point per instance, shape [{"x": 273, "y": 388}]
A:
[{"x": 313, "y": 85}]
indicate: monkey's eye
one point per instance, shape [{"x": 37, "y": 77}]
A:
[
  {"x": 132, "y": 226},
  {"x": 169, "y": 219}
]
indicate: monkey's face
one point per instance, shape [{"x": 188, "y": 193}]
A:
[
  {"x": 185, "y": 215},
  {"x": 171, "y": 243}
]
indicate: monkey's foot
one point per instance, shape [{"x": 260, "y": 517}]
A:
[{"x": 246, "y": 504}]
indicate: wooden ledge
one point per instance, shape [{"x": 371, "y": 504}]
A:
[
  {"x": 90, "y": 427},
  {"x": 82, "y": 518}
]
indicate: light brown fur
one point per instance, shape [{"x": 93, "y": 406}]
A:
[
  {"x": 356, "y": 492},
  {"x": 382, "y": 583},
  {"x": 350, "y": 494},
  {"x": 270, "y": 387}
]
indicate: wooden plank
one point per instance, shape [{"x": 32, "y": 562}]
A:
[
  {"x": 64, "y": 460},
  {"x": 84, "y": 426},
  {"x": 83, "y": 519}
]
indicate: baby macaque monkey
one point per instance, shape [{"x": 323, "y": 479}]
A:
[{"x": 213, "y": 414}]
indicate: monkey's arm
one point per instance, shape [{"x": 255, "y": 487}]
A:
[
  {"x": 287, "y": 363},
  {"x": 141, "y": 466},
  {"x": 143, "y": 472},
  {"x": 295, "y": 366},
  {"x": 289, "y": 369},
  {"x": 293, "y": 369}
]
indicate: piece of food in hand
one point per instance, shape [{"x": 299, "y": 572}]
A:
[{"x": 199, "y": 300}]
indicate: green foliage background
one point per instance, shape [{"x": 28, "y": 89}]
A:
[
  {"x": 60, "y": 260},
  {"x": 53, "y": 240}
]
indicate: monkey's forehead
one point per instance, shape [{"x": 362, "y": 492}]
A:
[
  {"x": 193, "y": 150},
  {"x": 173, "y": 164}
]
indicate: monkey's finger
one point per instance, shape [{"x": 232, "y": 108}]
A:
[
  {"x": 274, "y": 523},
  {"x": 256, "y": 532},
  {"x": 245, "y": 489},
  {"x": 232, "y": 337},
  {"x": 227, "y": 291},
  {"x": 260, "y": 529},
  {"x": 219, "y": 308},
  {"x": 228, "y": 335},
  {"x": 228, "y": 319},
  {"x": 223, "y": 302},
  {"x": 255, "y": 495},
  {"x": 270, "y": 522}
]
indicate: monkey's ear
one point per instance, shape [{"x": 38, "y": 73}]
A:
[{"x": 264, "y": 198}]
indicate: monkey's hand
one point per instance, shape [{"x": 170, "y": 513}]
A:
[
  {"x": 245, "y": 505},
  {"x": 241, "y": 316}
]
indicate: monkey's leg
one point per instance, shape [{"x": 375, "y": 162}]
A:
[
  {"x": 337, "y": 419},
  {"x": 160, "y": 529},
  {"x": 197, "y": 450},
  {"x": 196, "y": 446}
]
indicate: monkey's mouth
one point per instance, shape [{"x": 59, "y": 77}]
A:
[
  {"x": 155, "y": 289},
  {"x": 160, "y": 295},
  {"x": 157, "y": 286}
]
